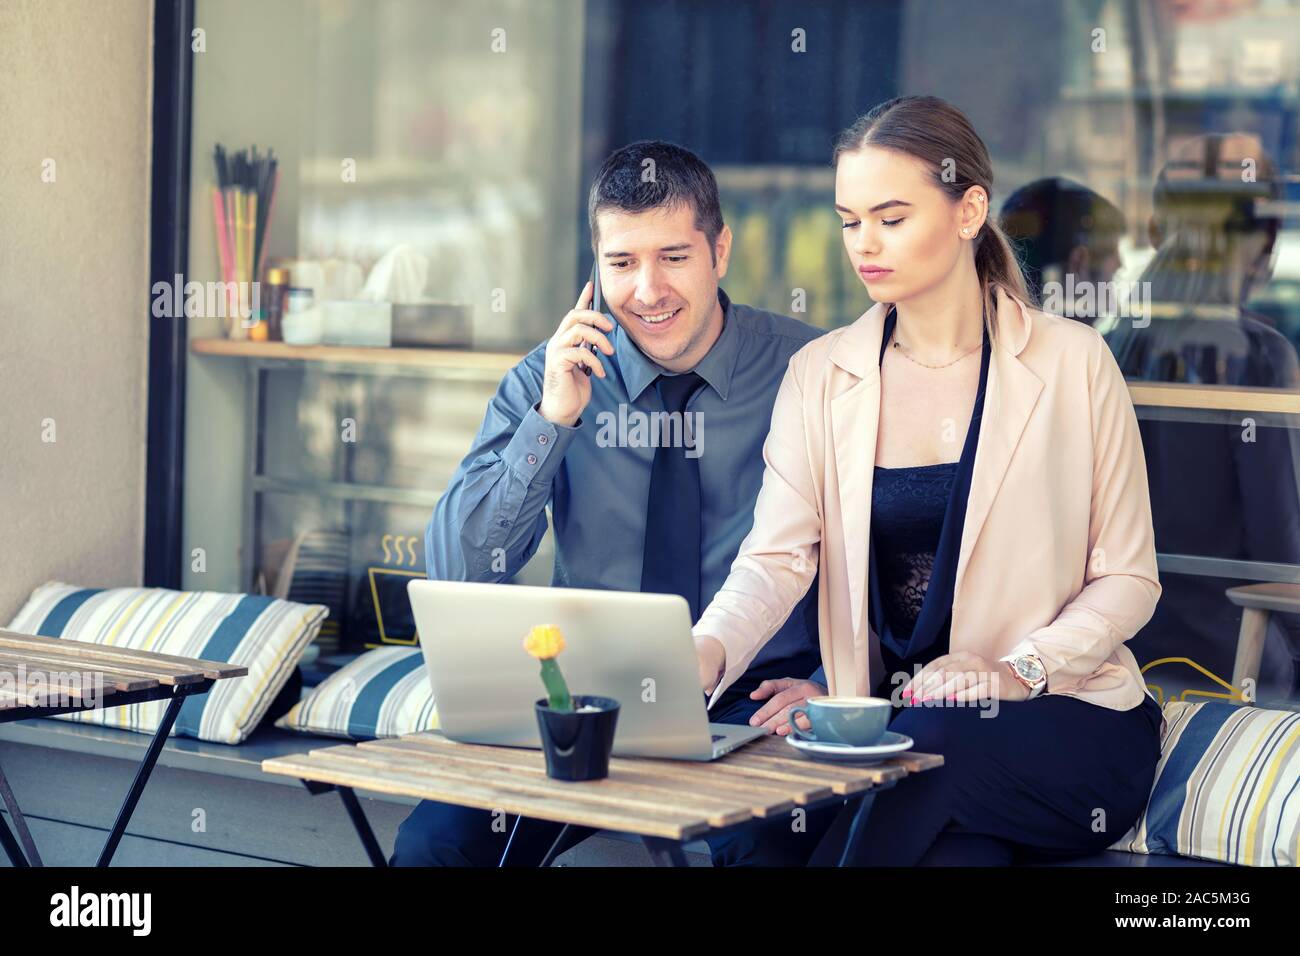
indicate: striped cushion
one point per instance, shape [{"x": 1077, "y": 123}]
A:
[
  {"x": 266, "y": 635},
  {"x": 383, "y": 693},
  {"x": 1227, "y": 787}
]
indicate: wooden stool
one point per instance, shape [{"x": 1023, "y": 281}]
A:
[{"x": 1258, "y": 602}]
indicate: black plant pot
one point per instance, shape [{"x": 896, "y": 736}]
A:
[{"x": 577, "y": 744}]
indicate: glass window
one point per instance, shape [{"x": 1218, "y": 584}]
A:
[
  {"x": 429, "y": 160},
  {"x": 437, "y": 155}
]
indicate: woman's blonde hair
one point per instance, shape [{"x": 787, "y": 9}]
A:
[{"x": 937, "y": 133}]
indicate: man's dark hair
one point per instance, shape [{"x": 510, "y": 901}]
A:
[
  {"x": 1048, "y": 218},
  {"x": 674, "y": 176}
]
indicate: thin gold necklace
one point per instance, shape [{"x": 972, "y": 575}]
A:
[{"x": 903, "y": 351}]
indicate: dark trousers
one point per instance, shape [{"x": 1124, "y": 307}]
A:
[
  {"x": 443, "y": 834},
  {"x": 1051, "y": 778}
]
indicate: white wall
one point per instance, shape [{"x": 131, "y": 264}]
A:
[{"x": 75, "y": 88}]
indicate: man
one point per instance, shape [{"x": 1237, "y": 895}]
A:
[
  {"x": 630, "y": 512},
  {"x": 1062, "y": 228}
]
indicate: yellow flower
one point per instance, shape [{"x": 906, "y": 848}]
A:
[{"x": 544, "y": 641}]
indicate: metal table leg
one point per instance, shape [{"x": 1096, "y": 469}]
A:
[
  {"x": 174, "y": 701},
  {"x": 510, "y": 841},
  {"x": 863, "y": 809},
  {"x": 556, "y": 848},
  {"x": 665, "y": 852},
  {"x": 362, "y": 826},
  {"x": 145, "y": 769},
  {"x": 356, "y": 814},
  {"x": 25, "y": 855},
  {"x": 560, "y": 844},
  {"x": 11, "y": 847},
  {"x": 856, "y": 825}
]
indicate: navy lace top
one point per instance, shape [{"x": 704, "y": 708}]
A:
[
  {"x": 907, "y": 509},
  {"x": 917, "y": 515}
]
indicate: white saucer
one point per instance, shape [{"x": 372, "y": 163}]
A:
[{"x": 890, "y": 744}]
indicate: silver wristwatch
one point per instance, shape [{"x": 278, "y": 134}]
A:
[{"x": 1029, "y": 670}]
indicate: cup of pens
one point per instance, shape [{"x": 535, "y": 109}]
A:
[{"x": 242, "y": 202}]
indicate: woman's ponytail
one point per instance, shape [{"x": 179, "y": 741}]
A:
[{"x": 997, "y": 265}]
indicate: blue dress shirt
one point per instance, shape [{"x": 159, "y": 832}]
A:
[{"x": 595, "y": 475}]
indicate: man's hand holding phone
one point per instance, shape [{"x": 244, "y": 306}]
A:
[{"x": 566, "y": 387}]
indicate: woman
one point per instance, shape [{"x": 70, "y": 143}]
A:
[{"x": 966, "y": 474}]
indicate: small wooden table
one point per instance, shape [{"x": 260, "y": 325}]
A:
[
  {"x": 665, "y": 802},
  {"x": 36, "y": 680}
]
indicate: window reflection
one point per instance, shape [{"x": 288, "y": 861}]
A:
[
  {"x": 1215, "y": 240},
  {"x": 440, "y": 156},
  {"x": 1146, "y": 145},
  {"x": 1229, "y": 490}
]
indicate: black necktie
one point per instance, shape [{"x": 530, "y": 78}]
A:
[{"x": 671, "y": 561}]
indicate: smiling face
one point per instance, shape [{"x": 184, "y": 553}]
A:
[
  {"x": 658, "y": 278},
  {"x": 902, "y": 232}
]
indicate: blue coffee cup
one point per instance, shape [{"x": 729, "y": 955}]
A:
[{"x": 855, "y": 721}]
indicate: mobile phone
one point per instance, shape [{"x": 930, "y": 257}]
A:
[{"x": 597, "y": 305}]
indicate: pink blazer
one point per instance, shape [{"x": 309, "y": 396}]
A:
[{"x": 1057, "y": 551}]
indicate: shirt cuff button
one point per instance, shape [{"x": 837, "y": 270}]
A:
[
  {"x": 542, "y": 439},
  {"x": 532, "y": 459}
]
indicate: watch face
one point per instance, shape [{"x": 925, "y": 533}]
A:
[{"x": 1029, "y": 668}]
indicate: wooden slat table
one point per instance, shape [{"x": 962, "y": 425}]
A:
[
  {"x": 665, "y": 802},
  {"x": 47, "y": 676}
]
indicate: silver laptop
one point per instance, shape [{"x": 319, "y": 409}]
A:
[{"x": 636, "y": 648}]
